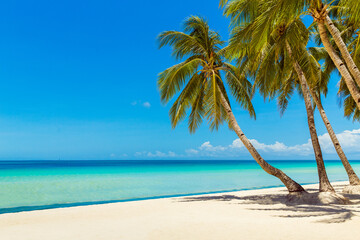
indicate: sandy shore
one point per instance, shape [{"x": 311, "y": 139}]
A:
[{"x": 255, "y": 214}]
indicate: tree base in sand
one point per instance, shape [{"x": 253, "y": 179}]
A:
[
  {"x": 352, "y": 189},
  {"x": 319, "y": 198}
]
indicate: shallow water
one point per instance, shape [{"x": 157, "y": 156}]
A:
[{"x": 30, "y": 185}]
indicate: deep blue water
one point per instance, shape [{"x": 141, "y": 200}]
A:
[{"x": 30, "y": 185}]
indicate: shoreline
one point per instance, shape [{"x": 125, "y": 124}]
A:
[
  {"x": 230, "y": 215},
  {"x": 80, "y": 204}
]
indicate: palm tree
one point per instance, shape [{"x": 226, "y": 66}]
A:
[
  {"x": 319, "y": 11},
  {"x": 321, "y": 54},
  {"x": 284, "y": 35},
  {"x": 343, "y": 70},
  {"x": 353, "y": 178},
  {"x": 348, "y": 33},
  {"x": 348, "y": 9},
  {"x": 350, "y": 108},
  {"x": 312, "y": 77},
  {"x": 275, "y": 10},
  {"x": 204, "y": 91},
  {"x": 278, "y": 41}
]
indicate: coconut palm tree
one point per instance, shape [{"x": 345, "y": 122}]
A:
[
  {"x": 317, "y": 54},
  {"x": 350, "y": 108},
  {"x": 353, "y": 178},
  {"x": 326, "y": 26},
  {"x": 349, "y": 34},
  {"x": 199, "y": 82},
  {"x": 348, "y": 9},
  {"x": 287, "y": 44},
  {"x": 338, "y": 62},
  {"x": 271, "y": 53},
  {"x": 248, "y": 11},
  {"x": 285, "y": 10},
  {"x": 316, "y": 82}
]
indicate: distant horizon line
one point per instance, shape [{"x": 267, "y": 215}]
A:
[{"x": 173, "y": 160}]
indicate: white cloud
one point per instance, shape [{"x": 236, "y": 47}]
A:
[
  {"x": 113, "y": 155},
  {"x": 276, "y": 147},
  {"x": 171, "y": 154},
  {"x": 206, "y": 146},
  {"x": 349, "y": 140},
  {"x": 147, "y": 104},
  {"x": 140, "y": 103},
  {"x": 156, "y": 154},
  {"x": 191, "y": 151},
  {"x": 139, "y": 154}
]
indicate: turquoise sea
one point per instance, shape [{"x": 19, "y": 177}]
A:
[{"x": 31, "y": 185}]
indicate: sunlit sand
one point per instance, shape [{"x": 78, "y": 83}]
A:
[{"x": 253, "y": 214}]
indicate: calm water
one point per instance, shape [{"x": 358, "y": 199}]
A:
[{"x": 30, "y": 185}]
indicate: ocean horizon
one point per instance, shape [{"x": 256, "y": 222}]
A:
[{"x": 43, "y": 184}]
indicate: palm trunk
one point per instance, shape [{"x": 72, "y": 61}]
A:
[
  {"x": 334, "y": 31},
  {"x": 290, "y": 184},
  {"x": 324, "y": 183},
  {"x": 353, "y": 178},
  {"x": 353, "y": 88}
]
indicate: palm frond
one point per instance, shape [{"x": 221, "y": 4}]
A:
[{"x": 172, "y": 79}]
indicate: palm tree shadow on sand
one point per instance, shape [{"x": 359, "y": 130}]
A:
[{"x": 322, "y": 213}]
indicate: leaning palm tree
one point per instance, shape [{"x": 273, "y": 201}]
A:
[
  {"x": 349, "y": 29},
  {"x": 283, "y": 44},
  {"x": 350, "y": 108},
  {"x": 280, "y": 44},
  {"x": 353, "y": 178},
  {"x": 204, "y": 92},
  {"x": 312, "y": 78},
  {"x": 320, "y": 86},
  {"x": 348, "y": 9},
  {"x": 284, "y": 38},
  {"x": 338, "y": 62},
  {"x": 280, "y": 10}
]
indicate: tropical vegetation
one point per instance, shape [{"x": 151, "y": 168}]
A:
[{"x": 270, "y": 51}]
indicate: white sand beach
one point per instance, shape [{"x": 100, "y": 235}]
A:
[{"x": 254, "y": 214}]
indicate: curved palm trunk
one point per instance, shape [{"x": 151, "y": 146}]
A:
[
  {"x": 334, "y": 31},
  {"x": 290, "y": 184},
  {"x": 325, "y": 185},
  {"x": 353, "y": 88},
  {"x": 353, "y": 178}
]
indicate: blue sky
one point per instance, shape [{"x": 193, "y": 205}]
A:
[{"x": 78, "y": 81}]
